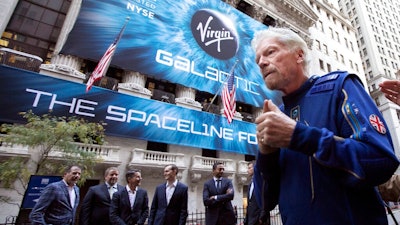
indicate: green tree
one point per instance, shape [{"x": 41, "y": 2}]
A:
[{"x": 53, "y": 141}]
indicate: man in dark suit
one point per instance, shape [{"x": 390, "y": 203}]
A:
[
  {"x": 169, "y": 206},
  {"x": 130, "y": 205},
  {"x": 58, "y": 202},
  {"x": 255, "y": 215},
  {"x": 217, "y": 195},
  {"x": 95, "y": 207}
]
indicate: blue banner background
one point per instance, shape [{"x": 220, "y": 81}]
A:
[
  {"x": 169, "y": 29},
  {"x": 152, "y": 120}
]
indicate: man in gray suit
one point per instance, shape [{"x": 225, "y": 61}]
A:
[
  {"x": 58, "y": 202},
  {"x": 95, "y": 207},
  {"x": 130, "y": 205}
]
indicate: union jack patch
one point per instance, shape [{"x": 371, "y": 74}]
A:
[{"x": 377, "y": 124}]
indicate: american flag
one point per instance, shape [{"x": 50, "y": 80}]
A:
[
  {"x": 104, "y": 62},
  {"x": 228, "y": 98}
]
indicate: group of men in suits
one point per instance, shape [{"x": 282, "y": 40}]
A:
[{"x": 112, "y": 204}]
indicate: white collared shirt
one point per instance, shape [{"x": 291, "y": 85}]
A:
[
  {"x": 71, "y": 193},
  {"x": 112, "y": 189},
  {"x": 169, "y": 191},
  {"x": 132, "y": 195}
]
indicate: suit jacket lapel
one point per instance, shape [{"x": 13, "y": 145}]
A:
[
  {"x": 65, "y": 189},
  {"x": 137, "y": 199},
  {"x": 105, "y": 191},
  {"x": 125, "y": 198},
  {"x": 163, "y": 190},
  {"x": 76, "y": 190},
  {"x": 178, "y": 186},
  {"x": 212, "y": 184}
]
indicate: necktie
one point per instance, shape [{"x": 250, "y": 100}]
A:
[{"x": 218, "y": 185}]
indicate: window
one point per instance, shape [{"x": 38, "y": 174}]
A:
[
  {"x": 321, "y": 65},
  {"x": 318, "y": 45},
  {"x": 325, "y": 49},
  {"x": 157, "y": 146},
  {"x": 328, "y": 66},
  {"x": 321, "y": 26},
  {"x": 377, "y": 102},
  {"x": 368, "y": 64},
  {"x": 346, "y": 43},
  {"x": 35, "y": 26}
]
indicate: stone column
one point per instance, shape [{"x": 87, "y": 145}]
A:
[
  {"x": 7, "y": 10},
  {"x": 186, "y": 97},
  {"x": 65, "y": 67},
  {"x": 69, "y": 23},
  {"x": 133, "y": 83}
]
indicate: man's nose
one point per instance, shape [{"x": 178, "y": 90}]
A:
[{"x": 262, "y": 62}]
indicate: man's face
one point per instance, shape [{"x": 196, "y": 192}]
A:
[
  {"x": 278, "y": 64},
  {"x": 112, "y": 177},
  {"x": 219, "y": 171},
  {"x": 250, "y": 169},
  {"x": 135, "y": 180},
  {"x": 73, "y": 176},
  {"x": 169, "y": 174}
]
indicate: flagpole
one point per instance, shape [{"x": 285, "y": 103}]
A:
[
  {"x": 104, "y": 63},
  {"x": 118, "y": 38},
  {"x": 221, "y": 87}
]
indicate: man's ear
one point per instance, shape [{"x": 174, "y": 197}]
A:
[{"x": 300, "y": 56}]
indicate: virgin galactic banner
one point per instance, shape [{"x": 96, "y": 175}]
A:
[
  {"x": 125, "y": 115},
  {"x": 192, "y": 43}
]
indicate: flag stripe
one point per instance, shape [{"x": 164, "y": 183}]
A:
[
  {"x": 100, "y": 69},
  {"x": 229, "y": 98},
  {"x": 105, "y": 61}
]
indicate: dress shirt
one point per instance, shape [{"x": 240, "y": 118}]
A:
[
  {"x": 169, "y": 191},
  {"x": 71, "y": 193},
  {"x": 132, "y": 195},
  {"x": 111, "y": 189}
]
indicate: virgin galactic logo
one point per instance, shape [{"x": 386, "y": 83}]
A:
[{"x": 215, "y": 33}]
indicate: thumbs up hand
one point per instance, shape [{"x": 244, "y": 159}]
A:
[{"x": 274, "y": 128}]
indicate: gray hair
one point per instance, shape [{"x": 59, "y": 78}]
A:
[
  {"x": 108, "y": 170},
  {"x": 285, "y": 36}
]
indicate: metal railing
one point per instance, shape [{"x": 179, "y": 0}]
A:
[
  {"x": 19, "y": 59},
  {"x": 199, "y": 217},
  {"x": 194, "y": 218}
]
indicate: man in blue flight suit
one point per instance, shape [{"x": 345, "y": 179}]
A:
[{"x": 322, "y": 154}]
